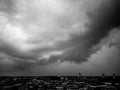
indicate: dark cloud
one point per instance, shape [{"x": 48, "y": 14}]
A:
[
  {"x": 8, "y": 6},
  {"x": 101, "y": 31},
  {"x": 103, "y": 20},
  {"x": 113, "y": 39}
]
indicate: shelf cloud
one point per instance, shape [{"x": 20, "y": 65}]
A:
[{"x": 48, "y": 31}]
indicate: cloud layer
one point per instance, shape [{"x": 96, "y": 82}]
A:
[{"x": 48, "y": 31}]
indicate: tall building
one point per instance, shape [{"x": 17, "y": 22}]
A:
[{"x": 80, "y": 74}]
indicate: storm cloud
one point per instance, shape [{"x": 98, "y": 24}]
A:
[{"x": 47, "y": 31}]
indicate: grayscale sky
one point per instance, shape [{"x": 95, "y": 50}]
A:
[{"x": 59, "y": 37}]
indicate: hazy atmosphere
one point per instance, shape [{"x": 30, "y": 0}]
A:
[{"x": 59, "y": 37}]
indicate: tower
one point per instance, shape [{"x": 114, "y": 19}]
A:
[{"x": 80, "y": 74}]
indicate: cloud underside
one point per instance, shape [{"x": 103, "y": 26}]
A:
[{"x": 48, "y": 31}]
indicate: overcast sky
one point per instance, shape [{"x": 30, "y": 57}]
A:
[{"x": 59, "y": 37}]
